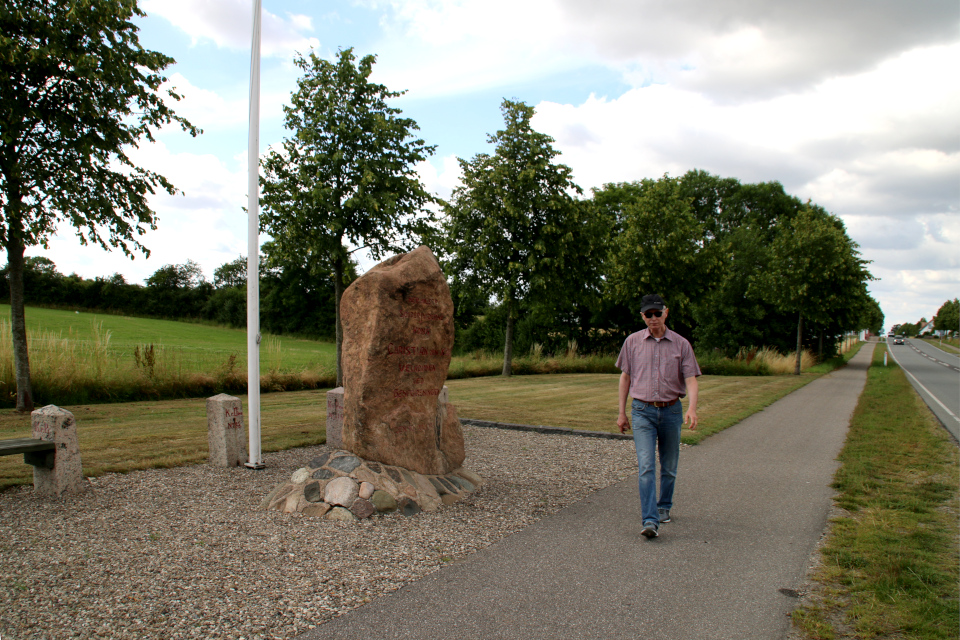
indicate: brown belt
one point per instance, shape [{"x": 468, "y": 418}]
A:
[{"x": 662, "y": 404}]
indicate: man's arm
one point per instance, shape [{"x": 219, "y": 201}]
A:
[
  {"x": 693, "y": 389},
  {"x": 622, "y": 421}
]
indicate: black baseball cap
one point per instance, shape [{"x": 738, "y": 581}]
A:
[{"x": 652, "y": 301}]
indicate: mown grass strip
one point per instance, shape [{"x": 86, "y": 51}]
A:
[
  {"x": 140, "y": 435},
  {"x": 890, "y": 567},
  {"x": 589, "y": 401}
]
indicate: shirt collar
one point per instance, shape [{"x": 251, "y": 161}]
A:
[{"x": 645, "y": 333}]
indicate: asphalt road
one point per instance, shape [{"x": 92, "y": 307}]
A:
[
  {"x": 750, "y": 506},
  {"x": 935, "y": 374}
]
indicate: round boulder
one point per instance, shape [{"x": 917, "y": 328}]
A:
[{"x": 341, "y": 492}]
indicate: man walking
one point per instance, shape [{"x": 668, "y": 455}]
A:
[{"x": 658, "y": 368}]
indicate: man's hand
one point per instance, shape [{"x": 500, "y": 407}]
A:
[
  {"x": 691, "y": 417},
  {"x": 623, "y": 423}
]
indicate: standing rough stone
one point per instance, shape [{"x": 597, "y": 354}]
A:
[
  {"x": 58, "y": 425},
  {"x": 397, "y": 340},
  {"x": 225, "y": 431},
  {"x": 335, "y": 418}
]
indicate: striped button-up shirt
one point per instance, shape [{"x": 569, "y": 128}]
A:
[{"x": 658, "y": 369}]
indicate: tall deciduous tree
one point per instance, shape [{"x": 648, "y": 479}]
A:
[
  {"x": 948, "y": 316},
  {"x": 347, "y": 174},
  {"x": 78, "y": 91},
  {"x": 661, "y": 249},
  {"x": 816, "y": 271},
  {"x": 514, "y": 228}
]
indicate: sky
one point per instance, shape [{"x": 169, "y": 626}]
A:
[{"x": 853, "y": 104}]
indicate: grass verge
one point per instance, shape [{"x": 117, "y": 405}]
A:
[
  {"x": 589, "y": 401},
  {"x": 890, "y": 565},
  {"x": 950, "y": 345}
]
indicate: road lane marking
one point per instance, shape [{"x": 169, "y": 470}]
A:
[{"x": 935, "y": 398}]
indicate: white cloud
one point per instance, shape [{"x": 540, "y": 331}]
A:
[
  {"x": 443, "y": 180},
  {"x": 228, "y": 24},
  {"x": 205, "y": 108},
  {"x": 440, "y": 47},
  {"x": 229, "y": 108},
  {"x": 855, "y": 146},
  {"x": 735, "y": 49},
  {"x": 205, "y": 223}
]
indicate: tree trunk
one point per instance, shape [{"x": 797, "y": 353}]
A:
[
  {"x": 338, "y": 268},
  {"x": 799, "y": 343},
  {"x": 18, "y": 323},
  {"x": 508, "y": 343},
  {"x": 820, "y": 354}
]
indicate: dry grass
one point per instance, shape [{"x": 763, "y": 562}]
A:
[
  {"x": 142, "y": 435},
  {"x": 775, "y": 362}
]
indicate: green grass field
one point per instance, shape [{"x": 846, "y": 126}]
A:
[
  {"x": 81, "y": 358},
  {"x": 199, "y": 347}
]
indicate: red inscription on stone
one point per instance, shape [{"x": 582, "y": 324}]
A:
[
  {"x": 420, "y": 316},
  {"x": 415, "y": 300},
  {"x": 334, "y": 410},
  {"x": 406, "y": 367},
  {"x": 401, "y": 350},
  {"x": 233, "y": 412},
  {"x": 414, "y": 393},
  {"x": 234, "y": 423},
  {"x": 400, "y": 428},
  {"x": 44, "y": 430}
]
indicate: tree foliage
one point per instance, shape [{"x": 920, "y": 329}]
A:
[
  {"x": 514, "y": 227},
  {"x": 816, "y": 271},
  {"x": 78, "y": 92},
  {"x": 948, "y": 316},
  {"x": 347, "y": 173},
  {"x": 661, "y": 249}
]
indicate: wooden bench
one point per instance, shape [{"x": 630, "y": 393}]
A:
[{"x": 39, "y": 453}]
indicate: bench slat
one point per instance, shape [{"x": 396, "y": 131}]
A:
[{"x": 24, "y": 445}]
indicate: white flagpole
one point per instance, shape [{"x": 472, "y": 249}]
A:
[{"x": 253, "y": 249}]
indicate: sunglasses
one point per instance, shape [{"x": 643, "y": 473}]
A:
[{"x": 652, "y": 313}]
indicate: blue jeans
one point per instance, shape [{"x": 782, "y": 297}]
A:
[{"x": 655, "y": 429}]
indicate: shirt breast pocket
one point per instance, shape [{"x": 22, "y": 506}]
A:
[{"x": 673, "y": 368}]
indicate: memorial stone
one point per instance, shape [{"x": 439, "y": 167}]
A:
[
  {"x": 225, "y": 433},
  {"x": 58, "y": 425},
  {"x": 397, "y": 340}
]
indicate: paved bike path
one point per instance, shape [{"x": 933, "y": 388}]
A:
[{"x": 750, "y": 505}]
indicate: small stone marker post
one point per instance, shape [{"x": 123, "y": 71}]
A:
[
  {"x": 225, "y": 431},
  {"x": 58, "y": 425},
  {"x": 335, "y": 418}
]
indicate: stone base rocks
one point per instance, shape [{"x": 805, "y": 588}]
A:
[{"x": 342, "y": 486}]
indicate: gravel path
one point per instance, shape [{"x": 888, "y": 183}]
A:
[{"x": 185, "y": 552}]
